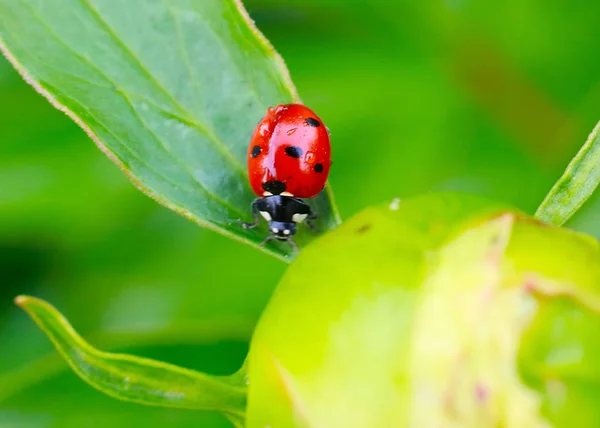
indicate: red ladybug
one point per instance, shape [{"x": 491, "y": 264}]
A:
[{"x": 288, "y": 159}]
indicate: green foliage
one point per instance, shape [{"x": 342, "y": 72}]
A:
[
  {"x": 139, "y": 380},
  {"x": 172, "y": 99},
  {"x": 451, "y": 294},
  {"x": 418, "y": 96},
  {"x": 576, "y": 186}
]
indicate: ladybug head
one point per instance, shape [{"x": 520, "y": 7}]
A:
[
  {"x": 282, "y": 230},
  {"x": 274, "y": 187}
]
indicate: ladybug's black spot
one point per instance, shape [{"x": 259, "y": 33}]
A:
[
  {"x": 256, "y": 151},
  {"x": 319, "y": 167},
  {"x": 293, "y": 151},
  {"x": 275, "y": 187},
  {"x": 312, "y": 121}
]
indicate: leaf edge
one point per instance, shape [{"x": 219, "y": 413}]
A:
[
  {"x": 38, "y": 87},
  {"x": 233, "y": 381},
  {"x": 549, "y": 209}
]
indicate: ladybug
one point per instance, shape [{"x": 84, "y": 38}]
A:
[{"x": 289, "y": 157}]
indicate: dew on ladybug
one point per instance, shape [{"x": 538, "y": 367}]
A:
[{"x": 289, "y": 157}]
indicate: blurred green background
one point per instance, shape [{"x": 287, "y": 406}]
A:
[{"x": 492, "y": 98}]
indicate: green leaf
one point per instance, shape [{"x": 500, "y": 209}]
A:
[
  {"x": 136, "y": 379},
  {"x": 576, "y": 185},
  {"x": 170, "y": 90}
]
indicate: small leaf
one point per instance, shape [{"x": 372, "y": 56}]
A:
[
  {"x": 170, "y": 90},
  {"x": 576, "y": 185},
  {"x": 136, "y": 379}
]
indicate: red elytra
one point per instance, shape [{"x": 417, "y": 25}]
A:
[{"x": 289, "y": 153}]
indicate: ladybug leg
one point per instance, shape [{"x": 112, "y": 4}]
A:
[
  {"x": 311, "y": 226},
  {"x": 309, "y": 221},
  {"x": 255, "y": 215},
  {"x": 267, "y": 239},
  {"x": 293, "y": 244}
]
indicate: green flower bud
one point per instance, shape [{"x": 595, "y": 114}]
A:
[{"x": 442, "y": 311}]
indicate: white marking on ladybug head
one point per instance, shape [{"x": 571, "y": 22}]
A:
[
  {"x": 265, "y": 215},
  {"x": 395, "y": 204},
  {"x": 299, "y": 218},
  {"x": 286, "y": 232},
  {"x": 265, "y": 193},
  {"x": 275, "y": 230},
  {"x": 286, "y": 194}
]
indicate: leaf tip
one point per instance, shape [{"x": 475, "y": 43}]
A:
[
  {"x": 32, "y": 305},
  {"x": 22, "y": 300}
]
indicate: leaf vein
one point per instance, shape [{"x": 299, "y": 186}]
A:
[
  {"x": 177, "y": 104},
  {"x": 241, "y": 70},
  {"x": 176, "y": 159},
  {"x": 140, "y": 159},
  {"x": 122, "y": 93}
]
